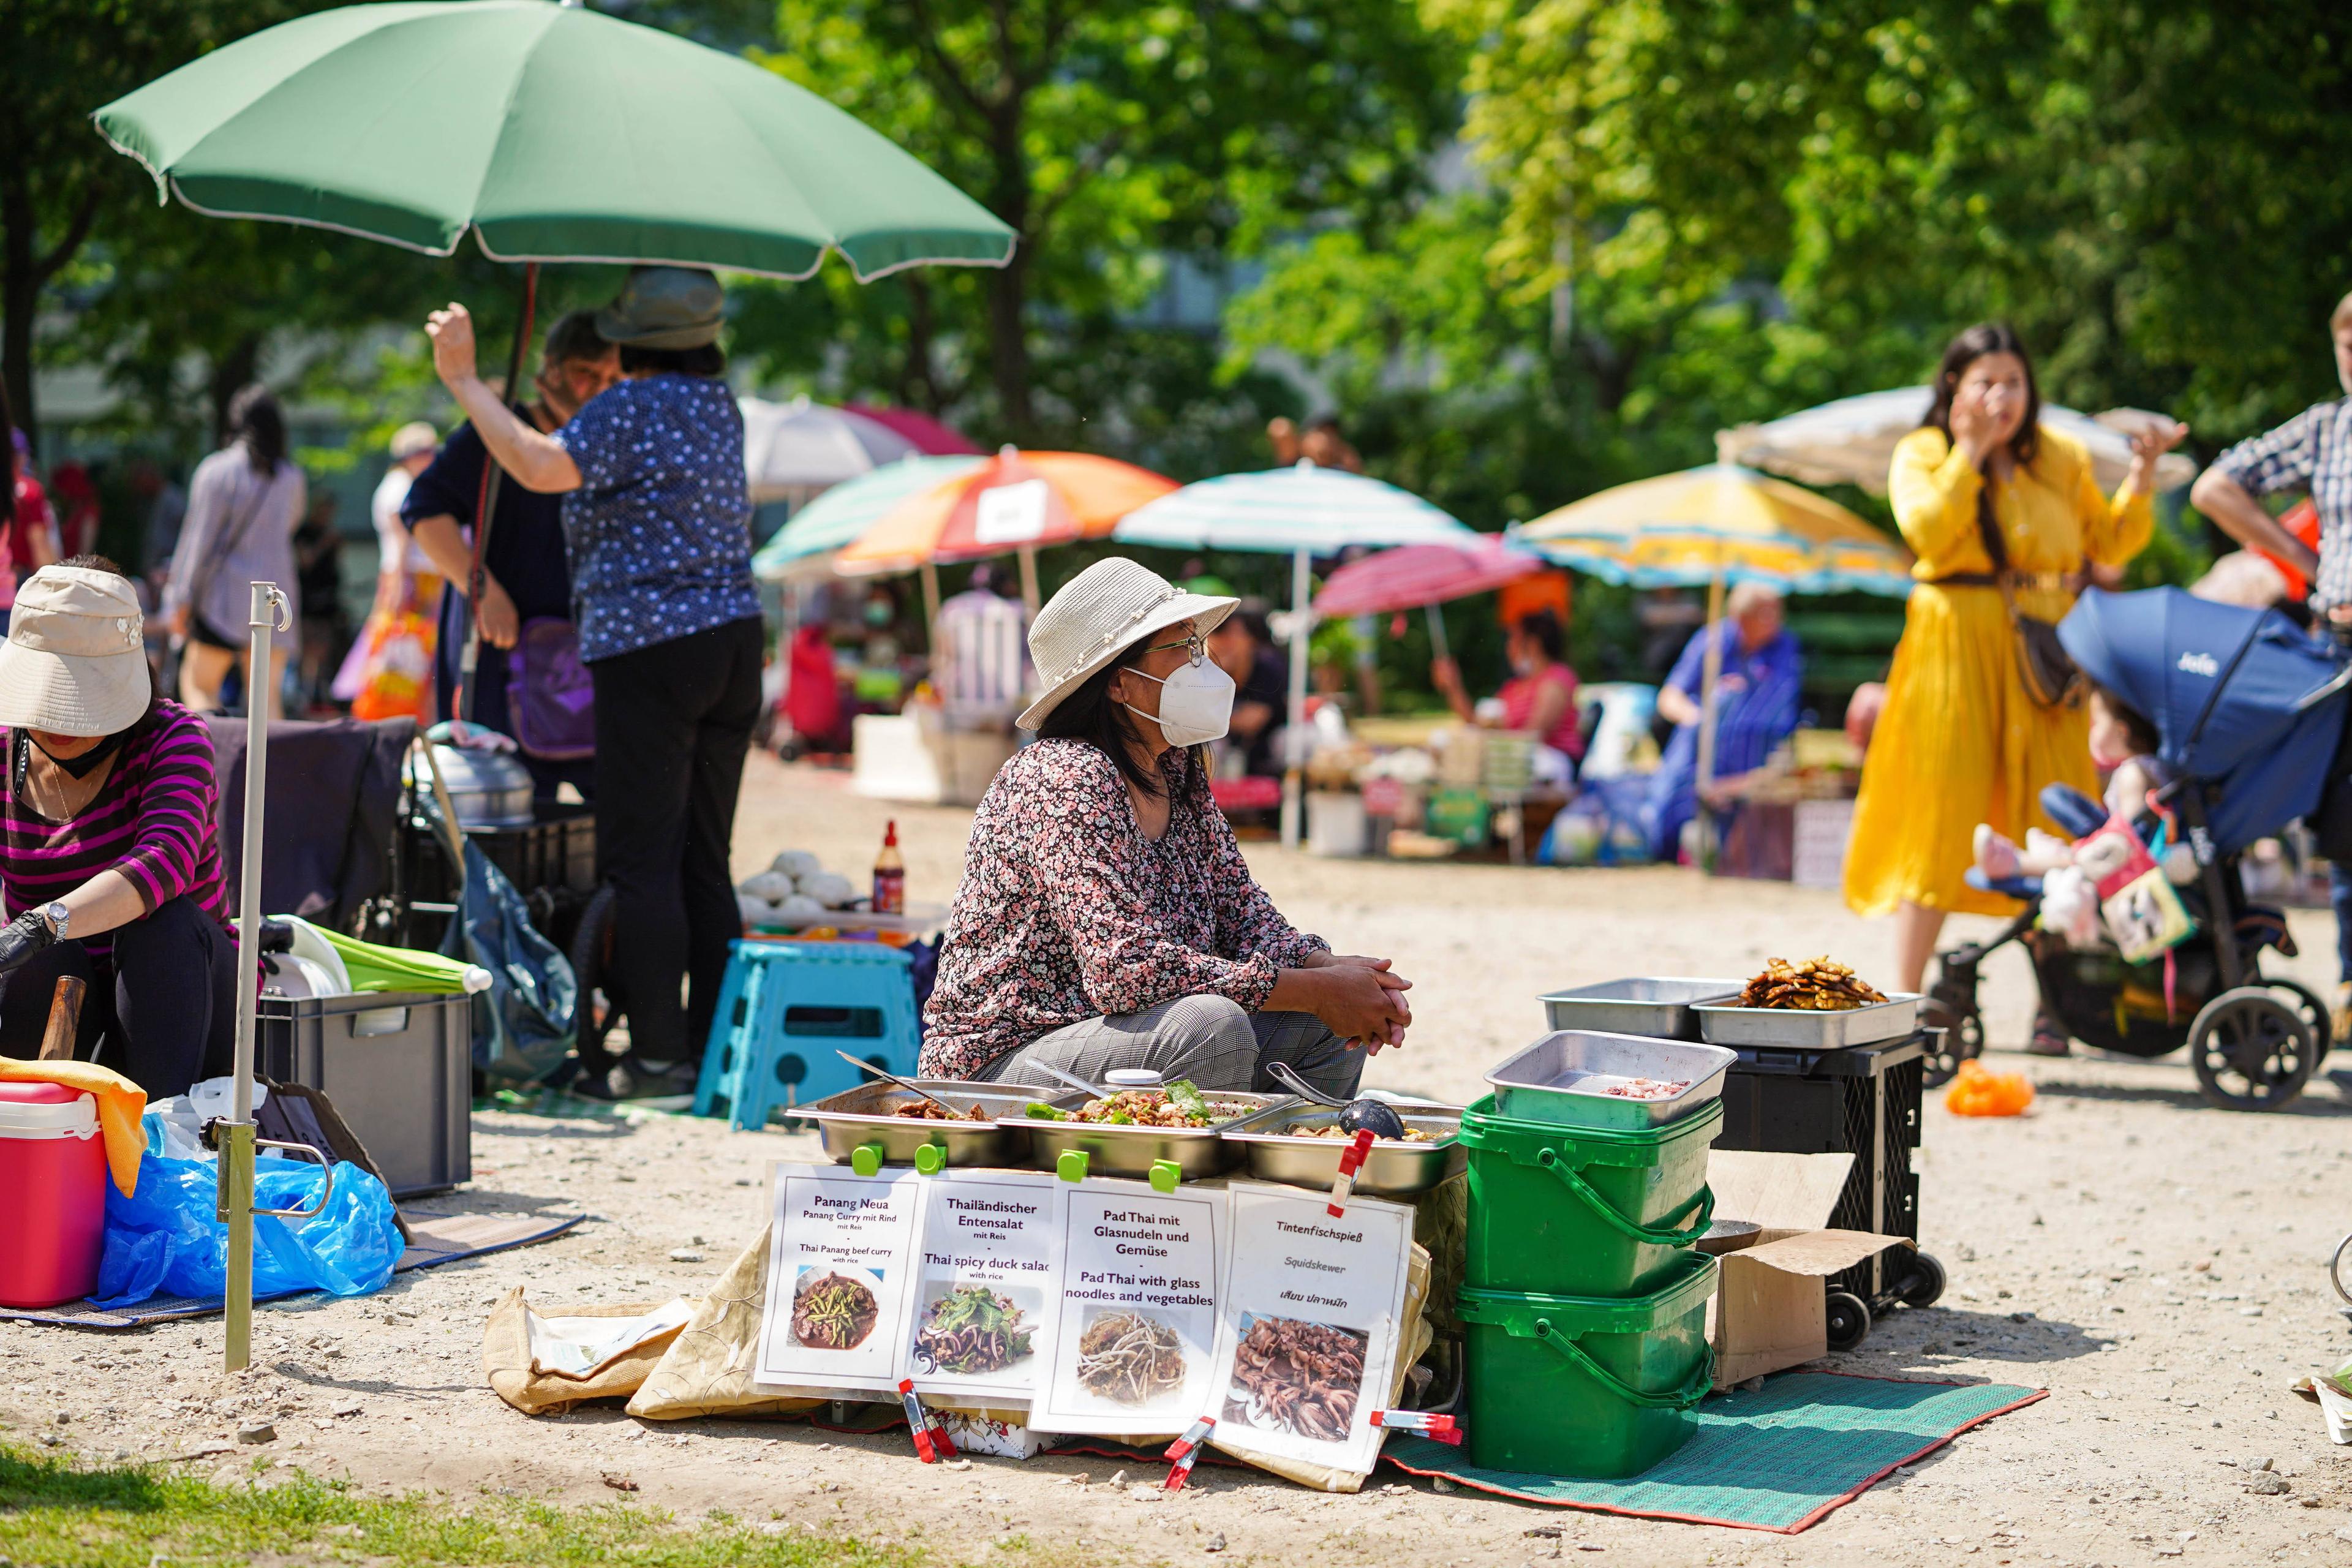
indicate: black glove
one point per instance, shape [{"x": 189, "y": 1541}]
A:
[{"x": 23, "y": 937}]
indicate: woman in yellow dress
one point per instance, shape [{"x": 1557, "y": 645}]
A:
[{"x": 1961, "y": 739}]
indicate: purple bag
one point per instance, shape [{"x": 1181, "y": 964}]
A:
[{"x": 550, "y": 694}]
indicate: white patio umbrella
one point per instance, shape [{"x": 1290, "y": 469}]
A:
[
  {"x": 1302, "y": 511},
  {"x": 1851, "y": 440},
  {"x": 791, "y": 450}
]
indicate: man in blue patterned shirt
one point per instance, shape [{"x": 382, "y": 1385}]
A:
[
  {"x": 2311, "y": 452},
  {"x": 656, "y": 526}
]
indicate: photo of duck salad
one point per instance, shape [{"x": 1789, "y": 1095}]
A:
[{"x": 971, "y": 1331}]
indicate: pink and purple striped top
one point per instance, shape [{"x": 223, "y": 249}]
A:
[{"x": 153, "y": 821}]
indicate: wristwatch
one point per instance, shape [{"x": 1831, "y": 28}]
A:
[{"x": 57, "y": 915}]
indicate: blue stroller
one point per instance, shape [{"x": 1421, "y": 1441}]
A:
[{"x": 2249, "y": 710}]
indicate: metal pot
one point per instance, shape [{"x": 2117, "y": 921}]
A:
[{"x": 487, "y": 789}]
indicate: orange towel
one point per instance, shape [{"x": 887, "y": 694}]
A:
[{"x": 121, "y": 1104}]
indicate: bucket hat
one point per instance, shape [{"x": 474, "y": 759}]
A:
[
  {"x": 664, "y": 308},
  {"x": 1100, "y": 614},
  {"x": 74, "y": 663}
]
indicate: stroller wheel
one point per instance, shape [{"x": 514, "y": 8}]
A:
[
  {"x": 2251, "y": 1050},
  {"x": 1961, "y": 1040},
  {"x": 2336, "y": 1268},
  {"x": 2314, "y": 1011},
  {"x": 1847, "y": 1320}
]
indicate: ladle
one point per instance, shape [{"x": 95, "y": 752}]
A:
[{"x": 1355, "y": 1115}]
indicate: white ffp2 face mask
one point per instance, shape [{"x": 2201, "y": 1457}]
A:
[{"x": 1196, "y": 703}]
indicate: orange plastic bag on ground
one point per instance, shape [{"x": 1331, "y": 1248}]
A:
[{"x": 1980, "y": 1091}]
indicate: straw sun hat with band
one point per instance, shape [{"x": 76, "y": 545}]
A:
[
  {"x": 1100, "y": 614},
  {"x": 74, "y": 663}
]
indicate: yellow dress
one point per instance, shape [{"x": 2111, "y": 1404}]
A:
[{"x": 1959, "y": 741}]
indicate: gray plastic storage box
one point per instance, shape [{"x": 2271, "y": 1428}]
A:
[{"x": 398, "y": 1067}]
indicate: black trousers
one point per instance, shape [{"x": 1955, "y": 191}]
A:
[
  {"x": 161, "y": 1012},
  {"x": 673, "y": 724}
]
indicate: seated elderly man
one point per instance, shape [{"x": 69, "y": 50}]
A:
[{"x": 1755, "y": 709}]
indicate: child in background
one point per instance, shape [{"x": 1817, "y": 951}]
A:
[{"x": 2122, "y": 740}]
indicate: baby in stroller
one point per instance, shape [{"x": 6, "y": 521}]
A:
[{"x": 2222, "y": 722}]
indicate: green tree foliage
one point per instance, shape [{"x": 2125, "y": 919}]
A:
[{"x": 1112, "y": 135}]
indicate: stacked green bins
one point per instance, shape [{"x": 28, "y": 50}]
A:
[{"x": 1584, "y": 1298}]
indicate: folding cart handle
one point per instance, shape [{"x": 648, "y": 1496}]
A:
[
  {"x": 1694, "y": 1389},
  {"x": 326, "y": 1193},
  {"x": 1665, "y": 1235}
]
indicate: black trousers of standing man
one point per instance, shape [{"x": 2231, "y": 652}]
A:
[{"x": 673, "y": 723}]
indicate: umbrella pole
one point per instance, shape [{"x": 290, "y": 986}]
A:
[
  {"x": 486, "y": 507},
  {"x": 1437, "y": 645},
  {"x": 1029, "y": 595},
  {"x": 1295, "y": 737},
  {"x": 931, "y": 609},
  {"x": 233, "y": 1173},
  {"x": 1711, "y": 669}
]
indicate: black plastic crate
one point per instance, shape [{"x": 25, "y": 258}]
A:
[
  {"x": 551, "y": 862},
  {"x": 1862, "y": 1100},
  {"x": 397, "y": 1065}
]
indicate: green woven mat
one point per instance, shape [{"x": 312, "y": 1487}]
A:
[{"x": 1778, "y": 1459}]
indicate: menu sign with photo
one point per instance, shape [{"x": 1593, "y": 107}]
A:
[
  {"x": 838, "y": 1276},
  {"x": 987, "y": 1275},
  {"x": 1307, "y": 1324},
  {"x": 1128, "y": 1346}
]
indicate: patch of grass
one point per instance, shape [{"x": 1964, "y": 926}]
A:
[{"x": 58, "y": 1514}]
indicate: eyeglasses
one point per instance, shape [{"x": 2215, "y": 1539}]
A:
[{"x": 1195, "y": 646}]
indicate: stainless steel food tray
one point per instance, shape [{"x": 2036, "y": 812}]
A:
[
  {"x": 1117, "y": 1151},
  {"x": 1656, "y": 1005},
  {"x": 1866, "y": 1026},
  {"x": 863, "y": 1115},
  {"x": 1392, "y": 1170},
  {"x": 1554, "y": 1080}
]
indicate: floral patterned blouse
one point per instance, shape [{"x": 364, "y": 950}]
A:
[{"x": 1066, "y": 911}]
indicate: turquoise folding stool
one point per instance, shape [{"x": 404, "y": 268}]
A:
[{"x": 787, "y": 1007}]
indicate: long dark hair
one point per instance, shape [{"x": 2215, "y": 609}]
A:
[
  {"x": 1988, "y": 338},
  {"x": 1088, "y": 714},
  {"x": 255, "y": 420}
]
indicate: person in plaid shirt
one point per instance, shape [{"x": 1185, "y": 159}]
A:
[{"x": 2311, "y": 452}]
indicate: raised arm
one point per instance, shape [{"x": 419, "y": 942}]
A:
[{"x": 533, "y": 460}]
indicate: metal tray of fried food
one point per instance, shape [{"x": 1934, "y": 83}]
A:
[
  {"x": 1113, "y": 1149},
  {"x": 1652, "y": 1004},
  {"x": 1807, "y": 1029},
  {"x": 867, "y": 1114},
  {"x": 1395, "y": 1169}
]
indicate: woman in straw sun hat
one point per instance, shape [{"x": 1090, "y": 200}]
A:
[
  {"x": 1106, "y": 918},
  {"x": 110, "y": 867}
]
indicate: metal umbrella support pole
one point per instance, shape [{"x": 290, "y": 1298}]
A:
[
  {"x": 234, "y": 1137},
  {"x": 1294, "y": 740},
  {"x": 486, "y": 506}
]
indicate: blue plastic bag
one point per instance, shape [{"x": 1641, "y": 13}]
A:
[{"x": 165, "y": 1238}]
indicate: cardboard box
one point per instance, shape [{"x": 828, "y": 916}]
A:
[{"x": 1770, "y": 1313}]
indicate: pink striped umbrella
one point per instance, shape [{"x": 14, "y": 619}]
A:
[
  {"x": 1413, "y": 575},
  {"x": 927, "y": 433}
]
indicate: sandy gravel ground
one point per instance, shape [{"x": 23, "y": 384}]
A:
[{"x": 2157, "y": 1266}]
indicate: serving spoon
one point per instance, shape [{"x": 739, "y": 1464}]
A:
[
  {"x": 1355, "y": 1115},
  {"x": 909, "y": 1085}
]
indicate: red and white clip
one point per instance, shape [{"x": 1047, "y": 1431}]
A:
[
  {"x": 1442, "y": 1428},
  {"x": 1351, "y": 1160},
  {"x": 1185, "y": 1451},
  {"x": 931, "y": 1441}
]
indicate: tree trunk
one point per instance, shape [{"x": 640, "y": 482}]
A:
[
  {"x": 1008, "y": 345},
  {"x": 231, "y": 372},
  {"x": 20, "y": 293}
]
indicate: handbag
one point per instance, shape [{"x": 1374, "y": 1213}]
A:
[
  {"x": 550, "y": 694},
  {"x": 2050, "y": 677}
]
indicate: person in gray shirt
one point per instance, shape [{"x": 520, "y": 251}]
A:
[{"x": 244, "y": 504}]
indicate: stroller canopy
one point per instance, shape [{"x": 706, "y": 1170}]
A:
[{"x": 2220, "y": 684}]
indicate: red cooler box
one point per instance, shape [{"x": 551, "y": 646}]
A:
[{"x": 53, "y": 1168}]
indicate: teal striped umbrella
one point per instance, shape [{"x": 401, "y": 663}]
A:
[{"x": 839, "y": 517}]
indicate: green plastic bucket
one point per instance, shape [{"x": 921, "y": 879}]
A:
[
  {"x": 1587, "y": 1386},
  {"x": 1584, "y": 1211}
]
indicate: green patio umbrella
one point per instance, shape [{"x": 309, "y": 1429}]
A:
[{"x": 553, "y": 132}]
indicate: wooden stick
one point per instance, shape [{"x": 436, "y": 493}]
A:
[{"x": 65, "y": 1020}]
